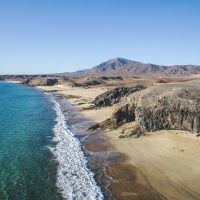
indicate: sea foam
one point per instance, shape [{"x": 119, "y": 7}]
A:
[{"x": 74, "y": 179}]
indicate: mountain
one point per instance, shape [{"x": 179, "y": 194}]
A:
[{"x": 126, "y": 68}]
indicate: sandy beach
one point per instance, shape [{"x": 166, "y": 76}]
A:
[
  {"x": 169, "y": 159},
  {"x": 82, "y": 99},
  {"x": 159, "y": 165},
  {"x": 16, "y": 82}
]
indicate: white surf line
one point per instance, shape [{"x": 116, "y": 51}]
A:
[{"x": 74, "y": 179}]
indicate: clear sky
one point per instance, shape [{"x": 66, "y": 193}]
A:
[{"x": 45, "y": 36}]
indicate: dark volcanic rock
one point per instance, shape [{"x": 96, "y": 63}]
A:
[
  {"x": 26, "y": 81},
  {"x": 172, "y": 107},
  {"x": 114, "y": 95}
]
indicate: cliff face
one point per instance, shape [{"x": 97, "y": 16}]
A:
[
  {"x": 161, "y": 107},
  {"x": 40, "y": 82},
  {"x": 114, "y": 95}
]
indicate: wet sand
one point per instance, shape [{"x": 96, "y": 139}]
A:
[{"x": 122, "y": 180}]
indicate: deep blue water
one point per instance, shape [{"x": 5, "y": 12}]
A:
[{"x": 27, "y": 169}]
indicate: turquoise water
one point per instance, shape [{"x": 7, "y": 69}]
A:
[{"x": 27, "y": 169}]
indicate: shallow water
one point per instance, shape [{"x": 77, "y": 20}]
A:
[
  {"x": 39, "y": 155},
  {"x": 27, "y": 170}
]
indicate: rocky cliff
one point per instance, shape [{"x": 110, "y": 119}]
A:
[
  {"x": 114, "y": 95},
  {"x": 40, "y": 82},
  {"x": 168, "y": 106}
]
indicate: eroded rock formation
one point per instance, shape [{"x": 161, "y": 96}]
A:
[
  {"x": 113, "y": 96},
  {"x": 40, "y": 82},
  {"x": 161, "y": 107}
]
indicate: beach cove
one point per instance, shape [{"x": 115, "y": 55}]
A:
[{"x": 154, "y": 166}]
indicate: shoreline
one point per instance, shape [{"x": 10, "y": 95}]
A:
[
  {"x": 15, "y": 82},
  {"x": 69, "y": 153},
  {"x": 154, "y": 166},
  {"x": 110, "y": 176},
  {"x": 97, "y": 155}
]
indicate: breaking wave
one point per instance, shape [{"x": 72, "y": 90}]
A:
[{"x": 74, "y": 179}]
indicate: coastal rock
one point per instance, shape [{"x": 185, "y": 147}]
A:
[
  {"x": 2, "y": 78},
  {"x": 131, "y": 129},
  {"x": 40, "y": 82},
  {"x": 81, "y": 82},
  {"x": 113, "y": 96},
  {"x": 175, "y": 107}
]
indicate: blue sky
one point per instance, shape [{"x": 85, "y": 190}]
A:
[{"x": 45, "y": 36}]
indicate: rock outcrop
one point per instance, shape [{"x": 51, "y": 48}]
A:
[
  {"x": 2, "y": 78},
  {"x": 169, "y": 106},
  {"x": 113, "y": 96},
  {"x": 40, "y": 82},
  {"x": 92, "y": 81}
]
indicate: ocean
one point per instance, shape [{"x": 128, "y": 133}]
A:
[{"x": 40, "y": 157}]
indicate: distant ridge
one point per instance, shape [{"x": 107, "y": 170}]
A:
[{"x": 127, "y": 68}]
